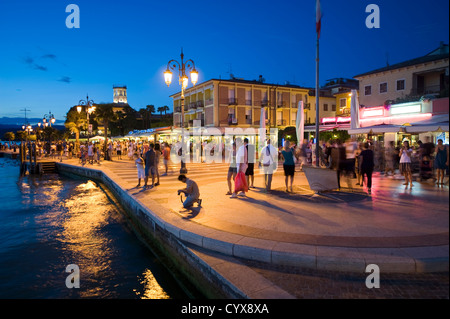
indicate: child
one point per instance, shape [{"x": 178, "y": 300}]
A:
[{"x": 139, "y": 161}]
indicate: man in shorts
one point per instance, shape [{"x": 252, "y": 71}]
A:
[
  {"x": 250, "y": 171},
  {"x": 149, "y": 166}
]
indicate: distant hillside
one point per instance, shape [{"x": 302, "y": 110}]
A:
[
  {"x": 19, "y": 121},
  {"x": 14, "y": 128}
]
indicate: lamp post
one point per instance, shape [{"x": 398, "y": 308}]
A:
[
  {"x": 183, "y": 81},
  {"x": 48, "y": 120},
  {"x": 88, "y": 108}
]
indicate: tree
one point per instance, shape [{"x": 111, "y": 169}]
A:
[
  {"x": 104, "y": 113},
  {"x": 74, "y": 121},
  {"x": 150, "y": 110},
  {"x": 165, "y": 109},
  {"x": 9, "y": 136},
  {"x": 160, "y": 110}
]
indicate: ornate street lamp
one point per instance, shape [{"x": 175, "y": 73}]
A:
[
  {"x": 48, "y": 119},
  {"x": 183, "y": 81},
  {"x": 88, "y": 107}
]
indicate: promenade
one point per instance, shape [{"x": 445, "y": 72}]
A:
[{"x": 254, "y": 242}]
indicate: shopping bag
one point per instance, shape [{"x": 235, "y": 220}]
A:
[{"x": 240, "y": 183}]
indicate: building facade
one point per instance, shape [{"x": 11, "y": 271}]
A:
[
  {"x": 238, "y": 103},
  {"x": 406, "y": 81}
]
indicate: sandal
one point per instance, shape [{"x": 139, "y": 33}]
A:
[{"x": 229, "y": 193}]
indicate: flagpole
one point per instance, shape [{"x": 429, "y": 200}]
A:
[{"x": 317, "y": 101}]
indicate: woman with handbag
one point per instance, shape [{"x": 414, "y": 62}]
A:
[{"x": 240, "y": 182}]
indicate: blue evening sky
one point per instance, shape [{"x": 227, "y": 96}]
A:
[{"x": 44, "y": 66}]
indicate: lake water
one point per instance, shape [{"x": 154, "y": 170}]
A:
[{"x": 50, "y": 222}]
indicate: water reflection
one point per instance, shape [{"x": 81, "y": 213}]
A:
[
  {"x": 152, "y": 290},
  {"x": 82, "y": 226}
]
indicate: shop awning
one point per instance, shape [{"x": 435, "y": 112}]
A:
[{"x": 376, "y": 129}]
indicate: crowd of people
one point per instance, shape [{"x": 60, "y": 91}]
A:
[{"x": 351, "y": 159}]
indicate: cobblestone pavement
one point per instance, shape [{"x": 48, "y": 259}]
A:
[{"x": 314, "y": 284}]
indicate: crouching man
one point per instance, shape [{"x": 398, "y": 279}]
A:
[{"x": 191, "y": 191}]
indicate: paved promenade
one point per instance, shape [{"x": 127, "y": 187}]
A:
[{"x": 270, "y": 245}]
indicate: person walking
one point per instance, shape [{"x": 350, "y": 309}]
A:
[
  {"x": 241, "y": 162},
  {"x": 232, "y": 169},
  {"x": 268, "y": 161},
  {"x": 405, "y": 163},
  {"x": 139, "y": 162},
  {"x": 250, "y": 171},
  {"x": 441, "y": 161},
  {"x": 166, "y": 158},
  {"x": 288, "y": 165},
  {"x": 366, "y": 162},
  {"x": 119, "y": 150},
  {"x": 91, "y": 153},
  {"x": 157, "y": 157},
  {"x": 149, "y": 166}
]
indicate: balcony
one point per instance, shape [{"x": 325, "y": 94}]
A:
[
  {"x": 192, "y": 106},
  {"x": 264, "y": 103},
  {"x": 177, "y": 109},
  {"x": 191, "y": 122},
  {"x": 432, "y": 90},
  {"x": 281, "y": 122},
  {"x": 248, "y": 102},
  {"x": 281, "y": 104},
  {"x": 232, "y": 120},
  {"x": 294, "y": 105},
  {"x": 307, "y": 106},
  {"x": 199, "y": 104},
  {"x": 209, "y": 101},
  {"x": 232, "y": 101}
]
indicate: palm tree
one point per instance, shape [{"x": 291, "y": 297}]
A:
[
  {"x": 74, "y": 121},
  {"x": 104, "y": 113},
  {"x": 165, "y": 109},
  {"x": 160, "y": 110},
  {"x": 9, "y": 136},
  {"x": 150, "y": 110}
]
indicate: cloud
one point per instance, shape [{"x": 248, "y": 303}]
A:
[
  {"x": 49, "y": 56},
  {"x": 30, "y": 62},
  {"x": 65, "y": 79},
  {"x": 39, "y": 67}
]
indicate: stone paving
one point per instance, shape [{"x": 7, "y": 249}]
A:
[{"x": 303, "y": 238}]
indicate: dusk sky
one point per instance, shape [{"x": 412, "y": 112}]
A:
[{"x": 45, "y": 66}]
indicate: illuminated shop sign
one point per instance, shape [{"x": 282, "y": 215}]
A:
[{"x": 414, "y": 108}]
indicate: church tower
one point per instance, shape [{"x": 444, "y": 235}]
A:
[{"x": 120, "y": 94}]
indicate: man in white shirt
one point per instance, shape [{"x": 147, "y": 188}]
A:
[{"x": 269, "y": 161}]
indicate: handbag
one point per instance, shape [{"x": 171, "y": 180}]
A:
[{"x": 240, "y": 183}]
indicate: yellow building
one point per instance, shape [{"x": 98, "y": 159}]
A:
[{"x": 238, "y": 103}]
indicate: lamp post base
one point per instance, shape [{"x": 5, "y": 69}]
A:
[{"x": 183, "y": 169}]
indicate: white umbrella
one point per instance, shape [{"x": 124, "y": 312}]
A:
[
  {"x": 300, "y": 124},
  {"x": 262, "y": 128},
  {"x": 354, "y": 110}
]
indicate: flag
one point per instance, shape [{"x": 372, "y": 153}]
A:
[
  {"x": 262, "y": 128},
  {"x": 354, "y": 110},
  {"x": 300, "y": 124},
  {"x": 318, "y": 18}
]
